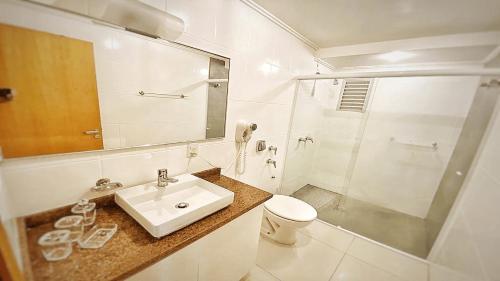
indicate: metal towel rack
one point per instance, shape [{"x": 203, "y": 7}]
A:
[
  {"x": 158, "y": 95},
  {"x": 434, "y": 146},
  {"x": 215, "y": 82}
]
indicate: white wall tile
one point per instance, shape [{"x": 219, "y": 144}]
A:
[
  {"x": 441, "y": 273},
  {"x": 49, "y": 185},
  {"x": 133, "y": 169}
]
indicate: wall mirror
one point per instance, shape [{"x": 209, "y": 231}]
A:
[{"x": 84, "y": 86}]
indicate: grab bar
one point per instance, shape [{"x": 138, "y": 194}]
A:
[
  {"x": 158, "y": 95},
  {"x": 433, "y": 146},
  {"x": 215, "y": 82}
]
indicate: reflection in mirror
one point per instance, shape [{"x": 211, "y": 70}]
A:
[{"x": 95, "y": 87}]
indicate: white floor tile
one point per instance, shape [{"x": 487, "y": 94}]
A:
[
  {"x": 258, "y": 274},
  {"x": 308, "y": 259},
  {"x": 352, "y": 269},
  {"x": 328, "y": 234},
  {"x": 440, "y": 273},
  {"x": 403, "y": 266}
]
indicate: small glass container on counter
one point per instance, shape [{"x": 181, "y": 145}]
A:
[
  {"x": 56, "y": 245},
  {"x": 98, "y": 235},
  {"x": 72, "y": 223},
  {"x": 85, "y": 209}
]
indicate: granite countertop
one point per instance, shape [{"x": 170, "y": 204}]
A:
[{"x": 132, "y": 249}]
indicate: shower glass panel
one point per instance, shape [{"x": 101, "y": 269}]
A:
[{"x": 376, "y": 172}]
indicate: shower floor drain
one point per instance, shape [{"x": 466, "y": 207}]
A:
[{"x": 182, "y": 205}]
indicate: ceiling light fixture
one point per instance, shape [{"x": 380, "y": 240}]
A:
[{"x": 396, "y": 56}]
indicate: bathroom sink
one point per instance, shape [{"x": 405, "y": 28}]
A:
[{"x": 163, "y": 210}]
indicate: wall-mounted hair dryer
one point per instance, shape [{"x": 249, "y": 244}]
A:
[
  {"x": 242, "y": 135},
  {"x": 244, "y": 131}
]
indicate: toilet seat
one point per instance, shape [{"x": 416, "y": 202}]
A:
[{"x": 290, "y": 208}]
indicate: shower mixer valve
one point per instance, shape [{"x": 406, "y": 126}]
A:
[
  {"x": 273, "y": 148},
  {"x": 306, "y": 139},
  {"x": 271, "y": 161}
]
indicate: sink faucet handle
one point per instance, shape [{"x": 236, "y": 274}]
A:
[
  {"x": 105, "y": 184},
  {"x": 102, "y": 182}
]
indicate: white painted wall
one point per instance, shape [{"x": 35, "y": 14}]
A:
[
  {"x": 469, "y": 242},
  {"x": 264, "y": 58}
]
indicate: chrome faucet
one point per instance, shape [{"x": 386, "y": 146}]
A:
[{"x": 163, "y": 179}]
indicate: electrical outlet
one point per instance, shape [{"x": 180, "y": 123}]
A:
[{"x": 192, "y": 150}]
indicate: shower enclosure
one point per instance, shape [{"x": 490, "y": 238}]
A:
[{"x": 385, "y": 157}]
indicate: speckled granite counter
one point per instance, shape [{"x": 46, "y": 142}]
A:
[{"x": 132, "y": 249}]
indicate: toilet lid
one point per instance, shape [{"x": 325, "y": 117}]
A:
[{"x": 290, "y": 208}]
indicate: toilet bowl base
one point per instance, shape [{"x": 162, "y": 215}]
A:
[
  {"x": 286, "y": 237},
  {"x": 280, "y": 230}
]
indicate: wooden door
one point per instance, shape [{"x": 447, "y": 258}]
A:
[{"x": 55, "y": 98}]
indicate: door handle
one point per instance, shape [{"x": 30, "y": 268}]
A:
[
  {"x": 95, "y": 132},
  {"x": 6, "y": 94}
]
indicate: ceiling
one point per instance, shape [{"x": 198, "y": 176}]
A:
[
  {"x": 462, "y": 55},
  {"x": 330, "y": 23}
]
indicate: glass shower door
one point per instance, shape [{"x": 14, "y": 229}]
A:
[{"x": 376, "y": 172}]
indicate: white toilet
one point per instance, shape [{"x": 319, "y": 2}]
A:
[{"x": 283, "y": 216}]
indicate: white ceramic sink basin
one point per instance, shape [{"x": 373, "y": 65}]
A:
[{"x": 155, "y": 208}]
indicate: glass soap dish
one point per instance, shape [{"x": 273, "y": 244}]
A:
[
  {"x": 72, "y": 223},
  {"x": 56, "y": 245},
  {"x": 97, "y": 236}
]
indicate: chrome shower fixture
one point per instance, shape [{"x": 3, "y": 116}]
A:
[{"x": 490, "y": 84}]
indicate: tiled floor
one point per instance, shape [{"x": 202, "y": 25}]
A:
[
  {"x": 395, "y": 229},
  {"x": 327, "y": 253}
]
